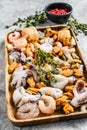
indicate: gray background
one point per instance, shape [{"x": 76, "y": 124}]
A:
[{"x": 10, "y": 10}]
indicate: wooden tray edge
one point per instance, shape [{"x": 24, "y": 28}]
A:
[{"x": 47, "y": 119}]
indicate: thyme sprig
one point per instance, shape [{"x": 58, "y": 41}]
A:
[
  {"x": 40, "y": 60},
  {"x": 47, "y": 76},
  {"x": 76, "y": 26},
  {"x": 31, "y": 20},
  {"x": 40, "y": 17}
]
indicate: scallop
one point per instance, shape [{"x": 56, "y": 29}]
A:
[
  {"x": 46, "y": 47},
  {"x": 61, "y": 81}
]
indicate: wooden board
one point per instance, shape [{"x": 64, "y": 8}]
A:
[{"x": 42, "y": 119}]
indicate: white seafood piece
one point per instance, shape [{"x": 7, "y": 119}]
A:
[
  {"x": 23, "y": 57},
  {"x": 84, "y": 108},
  {"x": 60, "y": 62},
  {"x": 27, "y": 111},
  {"x": 33, "y": 70},
  {"x": 80, "y": 94},
  {"x": 71, "y": 79},
  {"x": 47, "y": 40},
  {"x": 14, "y": 55},
  {"x": 60, "y": 83},
  {"x": 35, "y": 75},
  {"x": 19, "y": 76},
  {"x": 81, "y": 67},
  {"x": 19, "y": 56},
  {"x": 30, "y": 60},
  {"x": 54, "y": 92},
  {"x": 20, "y": 97},
  {"x": 46, "y": 47},
  {"x": 18, "y": 94},
  {"x": 29, "y": 97},
  {"x": 74, "y": 102}
]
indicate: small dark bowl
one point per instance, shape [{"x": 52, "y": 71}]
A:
[{"x": 62, "y": 18}]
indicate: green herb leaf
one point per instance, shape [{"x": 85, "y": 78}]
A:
[
  {"x": 31, "y": 20},
  {"x": 76, "y": 26},
  {"x": 40, "y": 17}
]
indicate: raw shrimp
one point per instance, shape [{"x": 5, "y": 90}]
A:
[
  {"x": 20, "y": 43},
  {"x": 27, "y": 111},
  {"x": 13, "y": 36},
  {"x": 47, "y": 104},
  {"x": 54, "y": 92}
]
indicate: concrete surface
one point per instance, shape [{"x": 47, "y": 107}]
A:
[{"x": 10, "y": 10}]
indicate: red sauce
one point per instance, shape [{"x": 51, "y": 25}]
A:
[{"x": 58, "y": 11}]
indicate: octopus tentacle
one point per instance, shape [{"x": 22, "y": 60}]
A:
[{"x": 80, "y": 94}]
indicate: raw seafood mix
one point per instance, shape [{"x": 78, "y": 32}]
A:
[{"x": 46, "y": 73}]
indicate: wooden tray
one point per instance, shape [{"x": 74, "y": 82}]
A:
[{"x": 45, "y": 119}]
